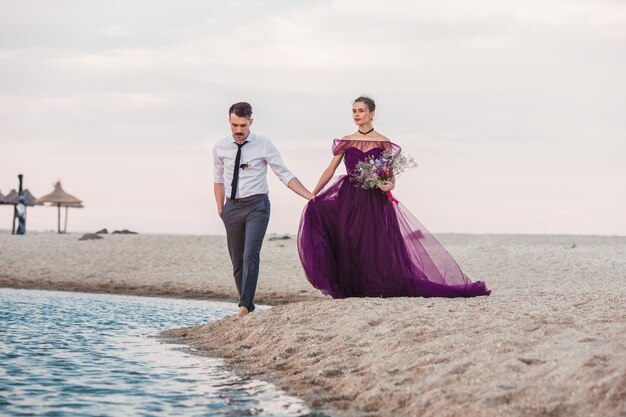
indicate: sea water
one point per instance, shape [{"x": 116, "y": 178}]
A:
[{"x": 76, "y": 354}]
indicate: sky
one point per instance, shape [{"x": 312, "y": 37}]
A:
[{"x": 514, "y": 111}]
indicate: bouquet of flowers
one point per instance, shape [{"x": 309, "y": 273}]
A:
[{"x": 372, "y": 172}]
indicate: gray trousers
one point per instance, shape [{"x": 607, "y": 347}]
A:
[{"x": 246, "y": 221}]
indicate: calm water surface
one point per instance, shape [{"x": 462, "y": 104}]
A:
[{"x": 76, "y": 354}]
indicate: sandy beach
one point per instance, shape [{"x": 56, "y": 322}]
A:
[
  {"x": 549, "y": 341},
  {"x": 163, "y": 265}
]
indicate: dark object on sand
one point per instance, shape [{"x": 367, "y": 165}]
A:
[
  {"x": 102, "y": 232},
  {"x": 123, "y": 232},
  {"x": 90, "y": 236},
  {"x": 283, "y": 237},
  {"x": 60, "y": 199}
]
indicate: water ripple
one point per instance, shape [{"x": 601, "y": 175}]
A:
[{"x": 74, "y": 354}]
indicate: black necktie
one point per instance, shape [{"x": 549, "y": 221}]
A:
[{"x": 233, "y": 185}]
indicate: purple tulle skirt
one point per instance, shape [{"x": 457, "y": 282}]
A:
[{"x": 354, "y": 242}]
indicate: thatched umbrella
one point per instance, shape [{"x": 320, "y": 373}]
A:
[
  {"x": 60, "y": 199},
  {"x": 13, "y": 198},
  {"x": 78, "y": 205},
  {"x": 3, "y": 199},
  {"x": 12, "y": 194}
]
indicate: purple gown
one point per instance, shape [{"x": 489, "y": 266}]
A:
[{"x": 354, "y": 242}]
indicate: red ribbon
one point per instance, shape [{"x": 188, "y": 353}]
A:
[{"x": 391, "y": 197}]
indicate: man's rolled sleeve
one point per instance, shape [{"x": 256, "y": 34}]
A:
[
  {"x": 273, "y": 158},
  {"x": 218, "y": 166}
]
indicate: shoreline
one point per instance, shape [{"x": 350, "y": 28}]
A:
[
  {"x": 174, "y": 266},
  {"x": 145, "y": 291},
  {"x": 293, "y": 234},
  {"x": 550, "y": 340}
]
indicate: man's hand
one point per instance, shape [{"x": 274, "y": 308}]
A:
[{"x": 218, "y": 189}]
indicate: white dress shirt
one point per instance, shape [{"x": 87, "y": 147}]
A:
[{"x": 256, "y": 155}]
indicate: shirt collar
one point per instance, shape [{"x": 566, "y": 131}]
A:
[{"x": 250, "y": 138}]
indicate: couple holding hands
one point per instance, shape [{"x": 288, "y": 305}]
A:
[{"x": 353, "y": 240}]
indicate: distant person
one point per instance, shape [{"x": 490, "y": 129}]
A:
[
  {"x": 20, "y": 211},
  {"x": 21, "y": 215},
  {"x": 240, "y": 186},
  {"x": 358, "y": 241}
]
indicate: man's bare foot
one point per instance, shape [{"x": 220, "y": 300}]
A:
[{"x": 242, "y": 312}]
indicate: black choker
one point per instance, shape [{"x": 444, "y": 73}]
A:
[{"x": 365, "y": 133}]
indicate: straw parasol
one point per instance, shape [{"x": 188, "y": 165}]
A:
[
  {"x": 9, "y": 197},
  {"x": 13, "y": 198},
  {"x": 60, "y": 198},
  {"x": 4, "y": 199}
]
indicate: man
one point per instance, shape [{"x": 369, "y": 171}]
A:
[{"x": 240, "y": 186}]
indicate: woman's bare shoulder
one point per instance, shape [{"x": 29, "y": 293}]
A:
[
  {"x": 349, "y": 137},
  {"x": 381, "y": 138},
  {"x": 377, "y": 137}
]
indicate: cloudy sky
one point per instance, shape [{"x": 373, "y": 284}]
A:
[{"x": 515, "y": 111}]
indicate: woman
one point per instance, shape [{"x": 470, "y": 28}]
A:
[{"x": 355, "y": 242}]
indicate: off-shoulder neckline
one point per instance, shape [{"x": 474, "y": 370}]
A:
[{"x": 363, "y": 140}]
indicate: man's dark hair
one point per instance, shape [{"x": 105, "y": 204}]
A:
[{"x": 241, "y": 109}]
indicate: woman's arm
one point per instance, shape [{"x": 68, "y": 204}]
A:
[{"x": 328, "y": 173}]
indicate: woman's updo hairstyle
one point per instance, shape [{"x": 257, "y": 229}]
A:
[{"x": 367, "y": 101}]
